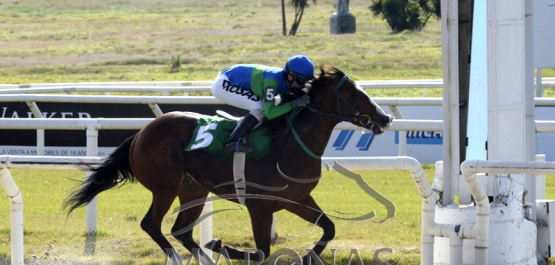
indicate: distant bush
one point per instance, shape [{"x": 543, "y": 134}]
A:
[
  {"x": 406, "y": 14},
  {"x": 176, "y": 64}
]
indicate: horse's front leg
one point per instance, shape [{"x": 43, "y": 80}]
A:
[
  {"x": 261, "y": 221},
  {"x": 261, "y": 228},
  {"x": 311, "y": 212}
]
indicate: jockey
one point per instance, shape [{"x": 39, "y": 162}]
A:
[{"x": 254, "y": 88}]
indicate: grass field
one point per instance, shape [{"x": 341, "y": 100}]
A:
[
  {"x": 51, "y": 238},
  {"x": 60, "y": 40},
  {"x": 121, "y": 40},
  {"x": 45, "y": 41}
]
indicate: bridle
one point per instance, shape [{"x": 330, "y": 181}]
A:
[
  {"x": 363, "y": 119},
  {"x": 340, "y": 98}
]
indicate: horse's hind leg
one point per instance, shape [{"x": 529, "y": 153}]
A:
[
  {"x": 308, "y": 210},
  {"x": 152, "y": 224},
  {"x": 192, "y": 198}
]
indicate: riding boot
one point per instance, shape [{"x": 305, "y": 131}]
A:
[{"x": 235, "y": 142}]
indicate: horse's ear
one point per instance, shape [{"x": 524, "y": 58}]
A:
[{"x": 322, "y": 71}]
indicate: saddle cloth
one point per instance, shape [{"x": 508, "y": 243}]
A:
[{"x": 212, "y": 132}]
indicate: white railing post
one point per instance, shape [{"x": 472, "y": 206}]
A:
[
  {"x": 16, "y": 207},
  {"x": 40, "y": 132},
  {"x": 92, "y": 150},
  {"x": 402, "y": 143}
]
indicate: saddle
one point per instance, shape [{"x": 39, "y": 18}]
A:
[{"x": 212, "y": 132}]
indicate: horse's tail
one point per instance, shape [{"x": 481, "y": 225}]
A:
[{"x": 114, "y": 170}]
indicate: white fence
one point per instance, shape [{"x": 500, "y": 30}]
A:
[
  {"x": 153, "y": 102},
  {"x": 195, "y": 86}
]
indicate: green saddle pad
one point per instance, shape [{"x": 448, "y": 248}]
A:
[{"x": 212, "y": 132}]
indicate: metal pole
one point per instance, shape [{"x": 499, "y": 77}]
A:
[{"x": 450, "y": 45}]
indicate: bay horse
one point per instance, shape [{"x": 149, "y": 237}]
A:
[{"x": 155, "y": 157}]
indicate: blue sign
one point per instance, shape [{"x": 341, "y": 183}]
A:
[
  {"x": 344, "y": 136},
  {"x": 421, "y": 137}
]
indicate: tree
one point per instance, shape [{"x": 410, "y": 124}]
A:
[
  {"x": 299, "y": 6},
  {"x": 406, "y": 14}
]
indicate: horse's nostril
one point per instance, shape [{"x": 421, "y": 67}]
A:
[{"x": 387, "y": 120}]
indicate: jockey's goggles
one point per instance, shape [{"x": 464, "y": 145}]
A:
[{"x": 300, "y": 81}]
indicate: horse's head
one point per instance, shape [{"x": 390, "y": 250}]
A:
[{"x": 333, "y": 93}]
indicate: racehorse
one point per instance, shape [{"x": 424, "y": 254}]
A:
[{"x": 155, "y": 157}]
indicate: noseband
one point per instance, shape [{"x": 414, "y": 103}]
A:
[{"x": 363, "y": 119}]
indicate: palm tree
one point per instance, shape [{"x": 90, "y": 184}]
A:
[
  {"x": 299, "y": 6},
  {"x": 283, "y": 17}
]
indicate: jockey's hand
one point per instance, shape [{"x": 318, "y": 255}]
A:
[{"x": 300, "y": 101}]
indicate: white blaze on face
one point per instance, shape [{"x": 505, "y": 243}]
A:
[
  {"x": 378, "y": 108},
  {"x": 380, "y": 111}
]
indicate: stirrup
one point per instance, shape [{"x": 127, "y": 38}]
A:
[{"x": 238, "y": 146}]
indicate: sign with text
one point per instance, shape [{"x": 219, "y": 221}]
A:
[{"x": 425, "y": 146}]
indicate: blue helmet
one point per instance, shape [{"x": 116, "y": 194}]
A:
[{"x": 300, "y": 66}]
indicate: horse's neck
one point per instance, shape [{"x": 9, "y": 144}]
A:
[{"x": 314, "y": 130}]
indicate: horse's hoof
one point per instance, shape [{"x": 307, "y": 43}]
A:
[
  {"x": 308, "y": 260},
  {"x": 214, "y": 244}
]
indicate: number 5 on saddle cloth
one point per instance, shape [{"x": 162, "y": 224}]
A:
[
  {"x": 212, "y": 132},
  {"x": 211, "y": 135}
]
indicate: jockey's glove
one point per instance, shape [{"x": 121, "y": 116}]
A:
[{"x": 300, "y": 101}]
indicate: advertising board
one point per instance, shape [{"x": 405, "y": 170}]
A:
[{"x": 426, "y": 147}]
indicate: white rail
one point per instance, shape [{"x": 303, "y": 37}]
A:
[
  {"x": 539, "y": 102},
  {"x": 198, "y": 86},
  {"x": 113, "y": 84},
  {"x": 469, "y": 169},
  {"x": 16, "y": 215},
  {"x": 139, "y": 123},
  {"x": 180, "y": 99}
]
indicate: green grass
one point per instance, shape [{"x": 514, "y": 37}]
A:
[
  {"x": 86, "y": 41},
  {"x": 50, "y": 235},
  {"x": 53, "y": 238},
  {"x": 72, "y": 41}
]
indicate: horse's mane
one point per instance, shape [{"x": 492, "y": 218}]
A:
[{"x": 328, "y": 73}]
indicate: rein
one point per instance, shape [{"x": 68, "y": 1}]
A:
[{"x": 290, "y": 118}]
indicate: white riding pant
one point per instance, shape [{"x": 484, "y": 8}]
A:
[{"x": 237, "y": 97}]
